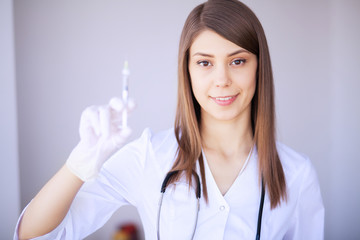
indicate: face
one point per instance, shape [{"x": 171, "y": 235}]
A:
[{"x": 223, "y": 77}]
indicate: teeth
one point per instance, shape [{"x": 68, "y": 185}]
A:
[{"x": 223, "y": 98}]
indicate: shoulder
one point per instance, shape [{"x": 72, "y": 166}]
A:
[
  {"x": 151, "y": 153},
  {"x": 293, "y": 163},
  {"x": 304, "y": 200},
  {"x": 163, "y": 140},
  {"x": 299, "y": 172},
  {"x": 158, "y": 144},
  {"x": 157, "y": 141},
  {"x": 149, "y": 146}
]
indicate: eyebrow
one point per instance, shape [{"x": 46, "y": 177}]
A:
[{"x": 229, "y": 55}]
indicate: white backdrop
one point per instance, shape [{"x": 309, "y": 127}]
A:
[{"x": 69, "y": 55}]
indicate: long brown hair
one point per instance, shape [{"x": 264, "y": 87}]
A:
[{"x": 236, "y": 22}]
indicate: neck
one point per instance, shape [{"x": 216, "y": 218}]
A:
[{"x": 229, "y": 138}]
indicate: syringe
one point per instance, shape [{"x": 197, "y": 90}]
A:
[{"x": 125, "y": 93}]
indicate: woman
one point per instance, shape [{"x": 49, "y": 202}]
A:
[{"x": 224, "y": 133}]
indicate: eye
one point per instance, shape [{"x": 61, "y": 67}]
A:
[
  {"x": 238, "y": 61},
  {"x": 204, "y": 63}
]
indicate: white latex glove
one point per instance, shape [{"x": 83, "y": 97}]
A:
[{"x": 100, "y": 136}]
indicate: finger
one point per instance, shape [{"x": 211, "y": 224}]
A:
[
  {"x": 131, "y": 105},
  {"x": 90, "y": 121},
  {"x": 104, "y": 116},
  {"x": 125, "y": 133},
  {"x": 115, "y": 120},
  {"x": 116, "y": 104}
]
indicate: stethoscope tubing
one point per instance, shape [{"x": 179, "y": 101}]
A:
[
  {"x": 261, "y": 207},
  {"x": 158, "y": 218}
]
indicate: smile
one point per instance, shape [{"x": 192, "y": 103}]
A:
[
  {"x": 224, "y": 101},
  {"x": 223, "y": 98}
]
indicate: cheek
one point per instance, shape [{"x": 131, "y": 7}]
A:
[
  {"x": 252, "y": 86},
  {"x": 250, "y": 81},
  {"x": 251, "y": 89},
  {"x": 251, "y": 75},
  {"x": 198, "y": 85},
  {"x": 246, "y": 81},
  {"x": 196, "y": 89}
]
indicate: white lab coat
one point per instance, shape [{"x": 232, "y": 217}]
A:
[{"x": 134, "y": 176}]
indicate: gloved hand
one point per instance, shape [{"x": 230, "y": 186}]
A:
[{"x": 100, "y": 136}]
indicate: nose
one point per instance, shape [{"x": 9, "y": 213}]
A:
[{"x": 222, "y": 77}]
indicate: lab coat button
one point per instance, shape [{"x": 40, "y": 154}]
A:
[{"x": 222, "y": 208}]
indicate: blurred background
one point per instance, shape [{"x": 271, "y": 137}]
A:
[{"x": 58, "y": 57}]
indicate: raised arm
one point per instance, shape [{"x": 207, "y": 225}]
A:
[
  {"x": 100, "y": 137},
  {"x": 50, "y": 205}
]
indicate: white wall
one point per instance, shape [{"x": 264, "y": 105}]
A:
[
  {"x": 342, "y": 182},
  {"x": 9, "y": 169},
  {"x": 70, "y": 54}
]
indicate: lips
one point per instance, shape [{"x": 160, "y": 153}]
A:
[{"x": 224, "y": 100}]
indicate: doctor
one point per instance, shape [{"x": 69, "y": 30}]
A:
[{"x": 224, "y": 133}]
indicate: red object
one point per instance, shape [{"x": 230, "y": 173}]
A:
[{"x": 129, "y": 229}]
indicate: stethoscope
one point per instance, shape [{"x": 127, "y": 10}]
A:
[{"x": 198, "y": 196}]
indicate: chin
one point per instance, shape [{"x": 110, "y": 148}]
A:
[{"x": 225, "y": 117}]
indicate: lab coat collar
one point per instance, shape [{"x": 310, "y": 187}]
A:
[{"x": 216, "y": 200}]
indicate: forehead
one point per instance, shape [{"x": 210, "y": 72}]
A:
[{"x": 210, "y": 42}]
